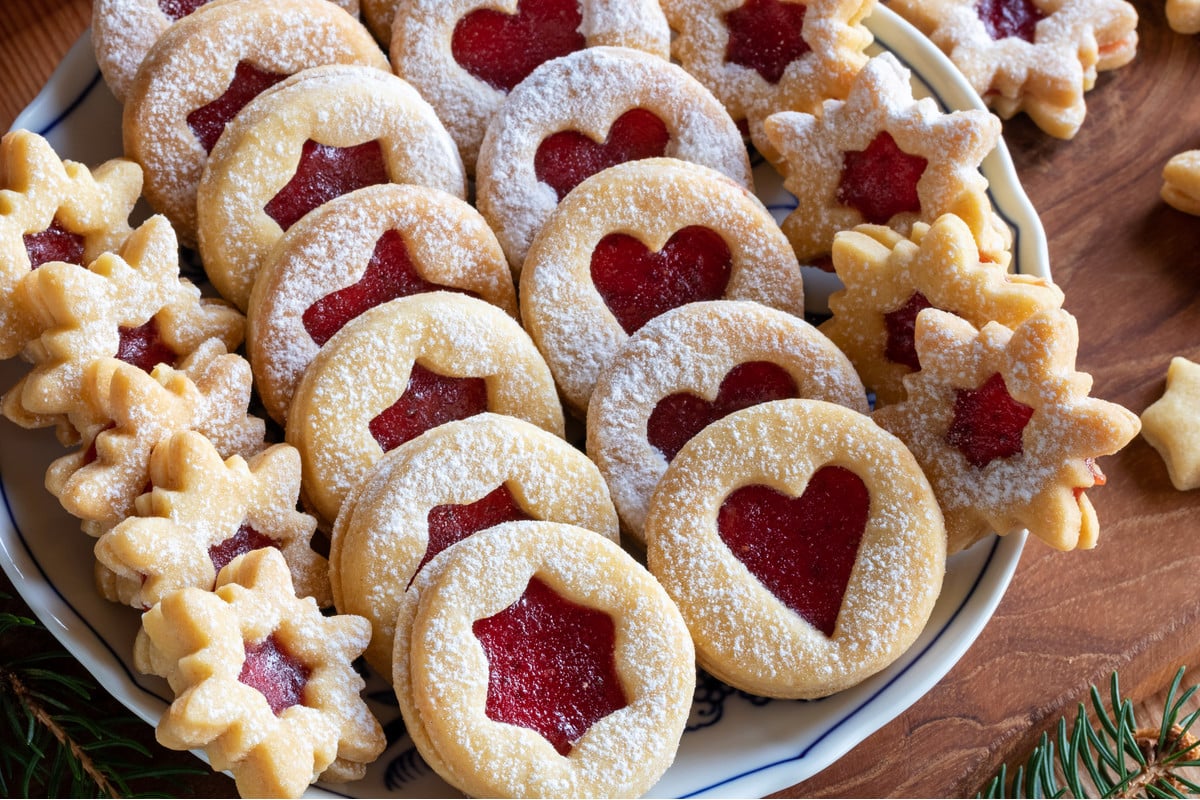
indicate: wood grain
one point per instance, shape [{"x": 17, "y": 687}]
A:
[{"x": 1130, "y": 267}]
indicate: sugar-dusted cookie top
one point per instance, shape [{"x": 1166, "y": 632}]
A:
[
  {"x": 1003, "y": 426},
  {"x": 1181, "y": 182},
  {"x": 1172, "y": 424},
  {"x": 888, "y": 279},
  {"x": 1036, "y": 56},
  {"x": 263, "y": 682},
  {"x": 885, "y": 158}
]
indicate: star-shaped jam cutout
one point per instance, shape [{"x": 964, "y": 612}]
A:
[
  {"x": 429, "y": 400},
  {"x": 208, "y": 121},
  {"x": 551, "y": 665},
  {"x": 326, "y": 172},
  {"x": 278, "y": 675},
  {"x": 880, "y": 181},
  {"x": 901, "y": 324},
  {"x": 988, "y": 422},
  {"x": 55, "y": 243},
  {"x": 1004, "y": 18},
  {"x": 1172, "y": 424},
  {"x": 451, "y": 523},
  {"x": 766, "y": 36}
]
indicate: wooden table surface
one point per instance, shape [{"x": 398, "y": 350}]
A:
[{"x": 1130, "y": 268}]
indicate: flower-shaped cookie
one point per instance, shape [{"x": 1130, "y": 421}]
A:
[
  {"x": 263, "y": 682},
  {"x": 1181, "y": 182},
  {"x": 1172, "y": 424},
  {"x": 1003, "y": 427},
  {"x": 1183, "y": 16},
  {"x": 202, "y": 513},
  {"x": 54, "y": 210},
  {"x": 131, "y": 305},
  {"x": 889, "y": 279},
  {"x": 884, "y": 158},
  {"x": 209, "y": 393},
  {"x": 1036, "y": 56}
]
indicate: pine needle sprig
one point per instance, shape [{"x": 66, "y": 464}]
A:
[{"x": 1112, "y": 757}]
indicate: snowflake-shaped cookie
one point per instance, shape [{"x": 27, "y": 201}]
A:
[
  {"x": 889, "y": 279},
  {"x": 263, "y": 682},
  {"x": 1172, "y": 424},
  {"x": 1181, "y": 181},
  {"x": 1036, "y": 56},
  {"x": 885, "y": 158},
  {"x": 1003, "y": 427},
  {"x": 203, "y": 512},
  {"x": 131, "y": 305},
  {"x": 1183, "y": 16},
  {"x": 209, "y": 392},
  {"x": 52, "y": 209}
]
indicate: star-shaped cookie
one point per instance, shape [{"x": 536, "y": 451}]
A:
[
  {"x": 1181, "y": 181},
  {"x": 1172, "y": 424}
]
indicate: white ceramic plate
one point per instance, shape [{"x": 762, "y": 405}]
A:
[{"x": 736, "y": 745}]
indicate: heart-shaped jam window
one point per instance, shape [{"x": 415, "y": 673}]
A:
[
  {"x": 244, "y": 540},
  {"x": 326, "y": 172},
  {"x": 429, "y": 400},
  {"x": 451, "y": 523},
  {"x": 53, "y": 244},
  {"x": 208, "y": 122},
  {"x": 389, "y": 274},
  {"x": 988, "y": 423},
  {"x": 502, "y": 49},
  {"x": 637, "y": 285},
  {"x": 802, "y": 549},
  {"x": 566, "y": 158},
  {"x": 881, "y": 181},
  {"x": 678, "y": 417},
  {"x": 765, "y": 36},
  {"x": 901, "y": 325},
  {"x": 275, "y": 673},
  {"x": 178, "y": 9},
  {"x": 143, "y": 347},
  {"x": 551, "y": 665},
  {"x": 1004, "y": 18}
]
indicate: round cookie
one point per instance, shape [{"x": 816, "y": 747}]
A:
[
  {"x": 636, "y": 240},
  {"x": 803, "y": 545},
  {"x": 692, "y": 366},
  {"x": 579, "y": 113},
  {"x": 464, "y": 56},
  {"x": 404, "y": 367},
  {"x": 443, "y": 486},
  {"x": 210, "y": 64},
  {"x": 355, "y": 252},
  {"x": 612, "y": 654}
]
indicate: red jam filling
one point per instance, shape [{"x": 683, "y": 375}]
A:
[
  {"x": 502, "y": 49},
  {"x": 429, "y": 400},
  {"x": 275, "y": 673},
  {"x": 564, "y": 159},
  {"x": 638, "y": 285},
  {"x": 988, "y": 422},
  {"x": 244, "y": 540},
  {"x": 802, "y": 549},
  {"x": 326, "y": 172},
  {"x": 551, "y": 665},
  {"x": 901, "y": 327},
  {"x": 1098, "y": 478},
  {"x": 765, "y": 36},
  {"x": 678, "y": 417},
  {"x": 178, "y": 9},
  {"x": 55, "y": 243},
  {"x": 881, "y": 181},
  {"x": 1004, "y": 18},
  {"x": 390, "y": 274},
  {"x": 208, "y": 122},
  {"x": 451, "y": 523},
  {"x": 143, "y": 347}
]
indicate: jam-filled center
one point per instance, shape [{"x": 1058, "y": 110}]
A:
[
  {"x": 55, "y": 243},
  {"x": 901, "y": 325},
  {"x": 429, "y": 400},
  {"x": 326, "y": 172},
  {"x": 566, "y": 158},
  {"x": 1004, "y": 18},
  {"x": 680, "y": 416},
  {"x": 988, "y": 423},
  {"x": 502, "y": 49},
  {"x": 143, "y": 347},
  {"x": 765, "y": 36},
  {"x": 802, "y": 549},
  {"x": 881, "y": 181},
  {"x": 551, "y": 665},
  {"x": 208, "y": 122},
  {"x": 178, "y": 9},
  {"x": 275, "y": 673},
  {"x": 451, "y": 523},
  {"x": 244, "y": 540},
  {"x": 637, "y": 284}
]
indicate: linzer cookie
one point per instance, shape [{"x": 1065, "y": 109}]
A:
[
  {"x": 884, "y": 158},
  {"x": 263, "y": 682},
  {"x": 692, "y": 366},
  {"x": 1172, "y": 424},
  {"x": 568, "y": 673},
  {"x": 443, "y": 486},
  {"x": 54, "y": 210},
  {"x": 580, "y": 113},
  {"x": 888, "y": 279},
  {"x": 402, "y": 368},
  {"x": 1181, "y": 182},
  {"x": 763, "y": 56},
  {"x": 1002, "y": 424},
  {"x": 639, "y": 239},
  {"x": 205, "y": 68},
  {"x": 318, "y": 135},
  {"x": 353, "y": 253},
  {"x": 803, "y": 546},
  {"x": 1033, "y": 56},
  {"x": 464, "y": 56}
]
